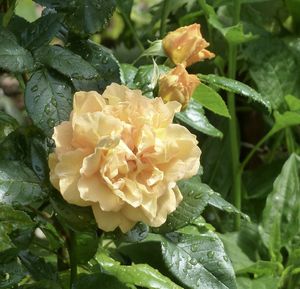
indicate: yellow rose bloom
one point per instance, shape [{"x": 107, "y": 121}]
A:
[
  {"x": 178, "y": 85},
  {"x": 186, "y": 45},
  {"x": 120, "y": 154}
]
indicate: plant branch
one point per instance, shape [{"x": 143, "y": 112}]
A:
[{"x": 233, "y": 127}]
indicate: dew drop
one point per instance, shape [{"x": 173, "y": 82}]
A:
[
  {"x": 198, "y": 196},
  {"x": 37, "y": 168},
  {"x": 225, "y": 258},
  {"x": 51, "y": 122},
  {"x": 193, "y": 261},
  {"x": 210, "y": 254},
  {"x": 34, "y": 88},
  {"x": 47, "y": 109},
  {"x": 105, "y": 60},
  {"x": 194, "y": 248},
  {"x": 36, "y": 98},
  {"x": 54, "y": 102},
  {"x": 75, "y": 75}
]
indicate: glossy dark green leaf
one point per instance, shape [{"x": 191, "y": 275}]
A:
[
  {"x": 18, "y": 184},
  {"x": 76, "y": 218},
  {"x": 281, "y": 216},
  {"x": 86, "y": 245},
  {"x": 236, "y": 87},
  {"x": 194, "y": 117},
  {"x": 13, "y": 57},
  {"x": 66, "y": 62},
  {"x": 41, "y": 31},
  {"x": 216, "y": 200},
  {"x": 38, "y": 268},
  {"x": 48, "y": 100},
  {"x": 10, "y": 274},
  {"x": 138, "y": 233},
  {"x": 7, "y": 125},
  {"x": 195, "y": 198},
  {"x": 147, "y": 76},
  {"x": 210, "y": 99},
  {"x": 13, "y": 225},
  {"x": 44, "y": 284},
  {"x": 128, "y": 72},
  {"x": 198, "y": 261},
  {"x": 101, "y": 59},
  {"x": 83, "y": 17},
  {"x": 93, "y": 281},
  {"x": 137, "y": 274}
]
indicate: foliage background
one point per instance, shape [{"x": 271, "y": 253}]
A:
[{"x": 251, "y": 160}]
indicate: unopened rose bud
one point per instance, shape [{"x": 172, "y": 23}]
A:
[
  {"x": 178, "y": 85},
  {"x": 186, "y": 45}
]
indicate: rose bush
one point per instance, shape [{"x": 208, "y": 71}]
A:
[{"x": 121, "y": 154}]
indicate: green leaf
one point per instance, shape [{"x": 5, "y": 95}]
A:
[
  {"x": 101, "y": 59},
  {"x": 44, "y": 284},
  {"x": 11, "y": 221},
  {"x": 274, "y": 69},
  {"x": 13, "y": 57},
  {"x": 86, "y": 245},
  {"x": 66, "y": 62},
  {"x": 233, "y": 34},
  {"x": 194, "y": 117},
  {"x": 236, "y": 87},
  {"x": 210, "y": 99},
  {"x": 198, "y": 261},
  {"x": 10, "y": 274},
  {"x": 92, "y": 281},
  {"x": 138, "y": 233},
  {"x": 83, "y": 16},
  {"x": 78, "y": 219},
  {"x": 293, "y": 102},
  {"x": 265, "y": 282},
  {"x": 261, "y": 268},
  {"x": 281, "y": 216},
  {"x": 128, "y": 72},
  {"x": 218, "y": 202},
  {"x": 147, "y": 76},
  {"x": 138, "y": 274},
  {"x": 7, "y": 125},
  {"x": 287, "y": 119},
  {"x": 38, "y": 268},
  {"x": 125, "y": 6},
  {"x": 48, "y": 100},
  {"x": 41, "y": 31},
  {"x": 238, "y": 258},
  {"x": 18, "y": 184},
  {"x": 195, "y": 198},
  {"x": 155, "y": 49}
]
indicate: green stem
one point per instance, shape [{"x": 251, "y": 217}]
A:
[
  {"x": 254, "y": 149},
  {"x": 71, "y": 242},
  {"x": 233, "y": 128},
  {"x": 133, "y": 31},
  {"x": 164, "y": 16}
]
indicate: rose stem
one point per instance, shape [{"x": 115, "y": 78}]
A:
[{"x": 233, "y": 128}]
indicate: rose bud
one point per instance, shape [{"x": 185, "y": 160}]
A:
[
  {"x": 178, "y": 85},
  {"x": 186, "y": 45}
]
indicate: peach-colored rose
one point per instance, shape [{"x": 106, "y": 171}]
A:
[
  {"x": 186, "y": 45},
  {"x": 178, "y": 85},
  {"x": 121, "y": 154}
]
